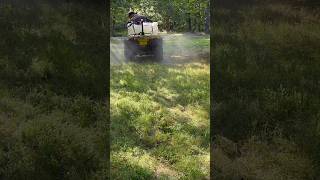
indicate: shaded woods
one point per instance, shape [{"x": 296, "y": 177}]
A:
[
  {"x": 53, "y": 82},
  {"x": 265, "y": 102},
  {"x": 172, "y": 15}
]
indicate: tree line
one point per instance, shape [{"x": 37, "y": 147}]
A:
[{"x": 172, "y": 15}]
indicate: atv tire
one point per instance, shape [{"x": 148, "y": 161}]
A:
[
  {"x": 157, "y": 49},
  {"x": 129, "y": 50}
]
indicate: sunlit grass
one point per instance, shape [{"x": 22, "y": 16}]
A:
[{"x": 160, "y": 121}]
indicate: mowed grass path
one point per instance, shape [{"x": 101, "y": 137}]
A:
[{"x": 160, "y": 121}]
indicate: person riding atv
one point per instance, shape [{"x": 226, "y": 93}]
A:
[
  {"x": 143, "y": 38},
  {"x": 136, "y": 18}
]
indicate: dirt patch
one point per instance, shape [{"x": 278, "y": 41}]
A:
[{"x": 163, "y": 171}]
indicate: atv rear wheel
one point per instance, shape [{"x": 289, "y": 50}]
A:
[
  {"x": 157, "y": 49},
  {"x": 129, "y": 50}
]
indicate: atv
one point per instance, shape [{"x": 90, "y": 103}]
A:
[{"x": 143, "y": 40}]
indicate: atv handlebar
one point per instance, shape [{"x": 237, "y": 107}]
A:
[{"x": 129, "y": 23}]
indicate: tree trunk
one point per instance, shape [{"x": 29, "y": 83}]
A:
[
  {"x": 113, "y": 25},
  {"x": 207, "y": 20},
  {"x": 189, "y": 22},
  {"x": 199, "y": 17},
  {"x": 199, "y": 24}
]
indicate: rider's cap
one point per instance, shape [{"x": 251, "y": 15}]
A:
[{"x": 131, "y": 13}]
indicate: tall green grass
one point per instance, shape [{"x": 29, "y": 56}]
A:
[
  {"x": 53, "y": 115},
  {"x": 160, "y": 121},
  {"x": 266, "y": 62}
]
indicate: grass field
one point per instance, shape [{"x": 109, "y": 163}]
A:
[
  {"x": 266, "y": 92},
  {"x": 53, "y": 114},
  {"x": 160, "y": 120}
]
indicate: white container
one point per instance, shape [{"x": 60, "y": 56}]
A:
[{"x": 148, "y": 29}]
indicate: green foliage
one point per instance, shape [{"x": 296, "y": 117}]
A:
[{"x": 171, "y": 15}]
